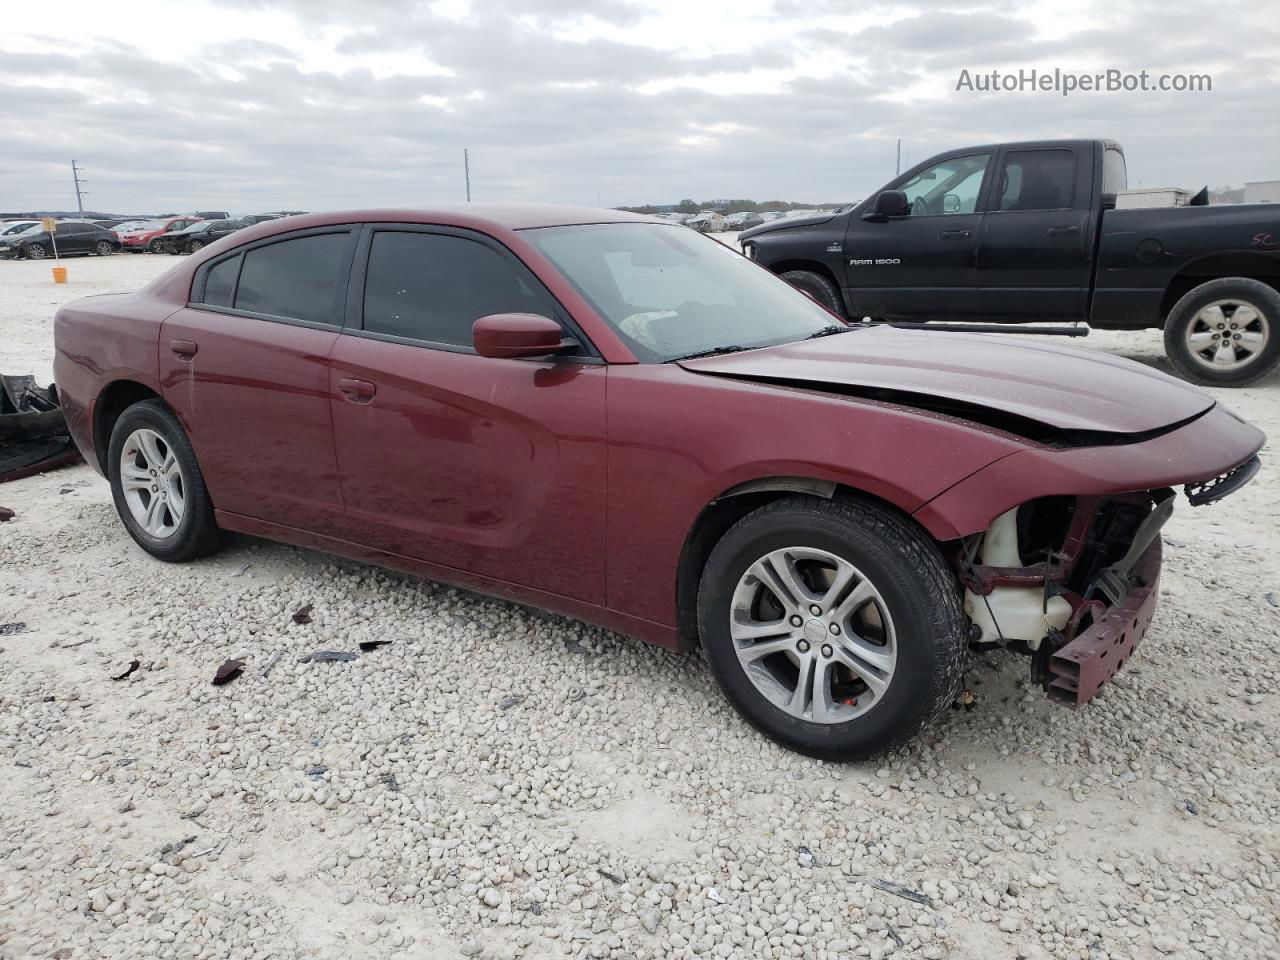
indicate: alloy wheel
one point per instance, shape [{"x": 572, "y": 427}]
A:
[
  {"x": 813, "y": 635},
  {"x": 152, "y": 481},
  {"x": 105, "y": 249},
  {"x": 36, "y": 252},
  {"x": 1227, "y": 335}
]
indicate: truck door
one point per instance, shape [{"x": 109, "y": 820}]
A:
[
  {"x": 1035, "y": 247},
  {"x": 920, "y": 265}
]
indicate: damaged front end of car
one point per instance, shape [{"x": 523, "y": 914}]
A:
[{"x": 1073, "y": 581}]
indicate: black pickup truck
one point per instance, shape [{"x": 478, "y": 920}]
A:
[{"x": 1022, "y": 232}]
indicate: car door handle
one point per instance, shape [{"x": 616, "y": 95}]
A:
[
  {"x": 357, "y": 391},
  {"x": 185, "y": 349},
  {"x": 1063, "y": 231},
  {"x": 955, "y": 234}
]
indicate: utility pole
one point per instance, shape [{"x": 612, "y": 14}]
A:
[
  {"x": 466, "y": 168},
  {"x": 75, "y": 175},
  {"x": 898, "y": 168}
]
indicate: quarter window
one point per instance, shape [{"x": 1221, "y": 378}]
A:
[
  {"x": 1038, "y": 180},
  {"x": 220, "y": 282},
  {"x": 433, "y": 287},
  {"x": 950, "y": 186},
  {"x": 293, "y": 278}
]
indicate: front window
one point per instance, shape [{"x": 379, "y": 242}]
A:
[
  {"x": 669, "y": 293},
  {"x": 950, "y": 186}
]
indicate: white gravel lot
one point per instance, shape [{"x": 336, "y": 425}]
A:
[{"x": 501, "y": 783}]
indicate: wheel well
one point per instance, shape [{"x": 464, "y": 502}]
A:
[
  {"x": 813, "y": 266},
  {"x": 722, "y": 513},
  {"x": 1249, "y": 265},
  {"x": 112, "y": 402}
]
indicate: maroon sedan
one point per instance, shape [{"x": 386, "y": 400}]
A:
[{"x": 615, "y": 418}]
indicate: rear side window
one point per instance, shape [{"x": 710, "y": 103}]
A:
[
  {"x": 432, "y": 287},
  {"x": 220, "y": 282},
  {"x": 1038, "y": 180},
  {"x": 294, "y": 278}
]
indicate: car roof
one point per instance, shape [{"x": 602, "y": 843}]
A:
[{"x": 482, "y": 216}]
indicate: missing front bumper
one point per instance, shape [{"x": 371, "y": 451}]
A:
[{"x": 1082, "y": 667}]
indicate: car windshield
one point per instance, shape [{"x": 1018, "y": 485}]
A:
[
  {"x": 34, "y": 228},
  {"x": 670, "y": 293}
]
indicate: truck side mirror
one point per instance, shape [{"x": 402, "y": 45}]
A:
[{"x": 889, "y": 203}]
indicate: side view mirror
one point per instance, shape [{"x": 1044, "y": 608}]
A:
[
  {"x": 889, "y": 203},
  {"x": 950, "y": 203},
  {"x": 515, "y": 335}
]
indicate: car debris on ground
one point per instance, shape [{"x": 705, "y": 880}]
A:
[{"x": 33, "y": 431}]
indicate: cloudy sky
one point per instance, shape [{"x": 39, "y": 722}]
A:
[{"x": 322, "y": 104}]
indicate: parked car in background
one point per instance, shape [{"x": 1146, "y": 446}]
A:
[
  {"x": 253, "y": 218},
  {"x": 1021, "y": 232},
  {"x": 198, "y": 235},
  {"x": 211, "y": 215},
  {"x": 147, "y": 237},
  {"x": 107, "y": 224},
  {"x": 10, "y": 227},
  {"x": 605, "y": 415},
  {"x": 73, "y": 238},
  {"x": 743, "y": 220}
]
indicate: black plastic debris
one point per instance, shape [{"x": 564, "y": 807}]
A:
[
  {"x": 134, "y": 665},
  {"x": 6, "y": 514},
  {"x": 611, "y": 877},
  {"x": 391, "y": 783},
  {"x": 10, "y": 629},
  {"x": 806, "y": 857},
  {"x": 1271, "y": 598},
  {"x": 33, "y": 431},
  {"x": 316, "y": 771},
  {"x": 367, "y": 645},
  {"x": 328, "y": 656},
  {"x": 506, "y": 703},
  {"x": 228, "y": 672},
  {"x": 302, "y": 614},
  {"x": 898, "y": 890}
]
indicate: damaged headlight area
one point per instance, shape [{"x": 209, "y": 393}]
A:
[{"x": 1070, "y": 581}]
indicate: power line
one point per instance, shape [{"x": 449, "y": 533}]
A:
[{"x": 466, "y": 167}]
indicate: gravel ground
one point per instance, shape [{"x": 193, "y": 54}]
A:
[{"x": 497, "y": 782}]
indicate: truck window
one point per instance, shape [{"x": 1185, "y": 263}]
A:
[
  {"x": 1037, "y": 180},
  {"x": 951, "y": 186},
  {"x": 1115, "y": 175}
]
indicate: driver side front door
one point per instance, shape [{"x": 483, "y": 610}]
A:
[{"x": 924, "y": 264}]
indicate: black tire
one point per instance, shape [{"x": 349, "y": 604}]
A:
[
  {"x": 1263, "y": 299},
  {"x": 197, "y": 533},
  {"x": 195, "y": 246},
  {"x": 818, "y": 287},
  {"x": 917, "y": 587},
  {"x": 105, "y": 248},
  {"x": 35, "y": 251},
  {"x": 155, "y": 246}
]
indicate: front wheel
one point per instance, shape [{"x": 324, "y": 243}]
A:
[
  {"x": 818, "y": 287},
  {"x": 157, "y": 485},
  {"x": 155, "y": 246},
  {"x": 1225, "y": 332},
  {"x": 195, "y": 246},
  {"x": 833, "y": 626},
  {"x": 105, "y": 248},
  {"x": 36, "y": 251}
]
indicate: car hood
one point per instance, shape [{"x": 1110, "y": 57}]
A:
[
  {"x": 1036, "y": 390},
  {"x": 786, "y": 223}
]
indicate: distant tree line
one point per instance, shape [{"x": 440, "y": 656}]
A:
[{"x": 729, "y": 206}]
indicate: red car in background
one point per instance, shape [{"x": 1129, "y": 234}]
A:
[
  {"x": 147, "y": 237},
  {"x": 612, "y": 417}
]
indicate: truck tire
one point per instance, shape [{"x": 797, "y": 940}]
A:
[
  {"x": 818, "y": 287},
  {"x": 1225, "y": 332}
]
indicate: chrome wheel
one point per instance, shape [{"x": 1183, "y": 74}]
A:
[
  {"x": 36, "y": 252},
  {"x": 196, "y": 245},
  {"x": 1227, "y": 335},
  {"x": 153, "y": 485},
  {"x": 813, "y": 635},
  {"x": 105, "y": 249}
]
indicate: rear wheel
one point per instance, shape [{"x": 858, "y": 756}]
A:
[
  {"x": 157, "y": 485},
  {"x": 834, "y": 627},
  {"x": 105, "y": 248},
  {"x": 818, "y": 287},
  {"x": 1225, "y": 332}
]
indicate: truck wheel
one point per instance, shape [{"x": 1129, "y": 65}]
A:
[
  {"x": 833, "y": 626},
  {"x": 818, "y": 287},
  {"x": 1225, "y": 332}
]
